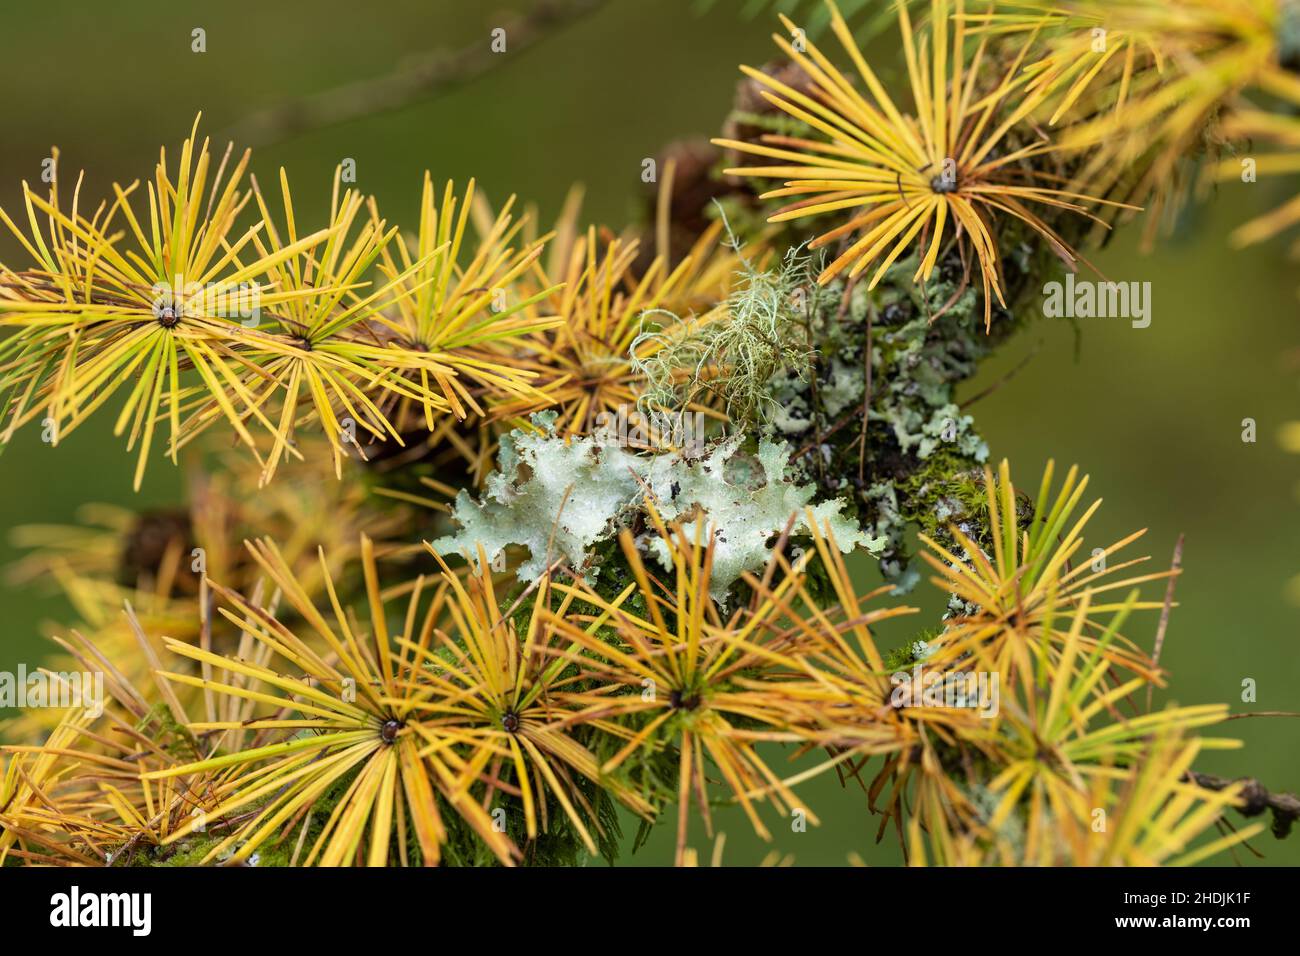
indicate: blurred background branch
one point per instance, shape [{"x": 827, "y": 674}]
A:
[{"x": 422, "y": 77}]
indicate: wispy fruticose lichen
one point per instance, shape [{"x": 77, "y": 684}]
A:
[
  {"x": 730, "y": 363},
  {"x": 561, "y": 499}
]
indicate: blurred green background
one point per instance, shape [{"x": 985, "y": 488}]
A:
[{"x": 1154, "y": 415}]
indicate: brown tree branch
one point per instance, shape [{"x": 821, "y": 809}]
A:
[
  {"x": 438, "y": 70},
  {"x": 1255, "y": 799}
]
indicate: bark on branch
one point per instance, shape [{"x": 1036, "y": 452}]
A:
[{"x": 1255, "y": 799}]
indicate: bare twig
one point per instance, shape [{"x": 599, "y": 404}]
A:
[
  {"x": 1174, "y": 566},
  {"x": 438, "y": 70},
  {"x": 1003, "y": 380},
  {"x": 866, "y": 398}
]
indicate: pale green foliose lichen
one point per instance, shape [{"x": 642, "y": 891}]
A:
[
  {"x": 746, "y": 514},
  {"x": 556, "y": 498},
  {"x": 560, "y": 499}
]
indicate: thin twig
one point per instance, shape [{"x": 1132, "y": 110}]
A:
[
  {"x": 1003, "y": 380},
  {"x": 1174, "y": 566},
  {"x": 866, "y": 400},
  {"x": 1263, "y": 713}
]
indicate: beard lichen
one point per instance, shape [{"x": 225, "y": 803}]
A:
[{"x": 729, "y": 363}]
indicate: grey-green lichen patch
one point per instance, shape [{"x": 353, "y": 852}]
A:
[
  {"x": 557, "y": 498},
  {"x": 561, "y": 498},
  {"x": 746, "y": 516},
  {"x": 949, "y": 428}
]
